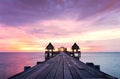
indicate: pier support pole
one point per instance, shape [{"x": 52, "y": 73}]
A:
[{"x": 26, "y": 67}]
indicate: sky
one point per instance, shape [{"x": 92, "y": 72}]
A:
[{"x": 29, "y": 25}]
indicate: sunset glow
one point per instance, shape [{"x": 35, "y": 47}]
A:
[{"x": 94, "y": 27}]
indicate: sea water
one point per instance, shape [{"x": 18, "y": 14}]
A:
[{"x": 13, "y": 63}]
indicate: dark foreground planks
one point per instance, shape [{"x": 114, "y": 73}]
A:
[{"x": 62, "y": 66}]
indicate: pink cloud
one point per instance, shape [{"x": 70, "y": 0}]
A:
[{"x": 87, "y": 22}]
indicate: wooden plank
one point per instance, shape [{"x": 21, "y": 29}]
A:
[
  {"x": 53, "y": 71},
  {"x": 67, "y": 74},
  {"x": 45, "y": 73},
  {"x": 60, "y": 70},
  {"x": 73, "y": 72}
]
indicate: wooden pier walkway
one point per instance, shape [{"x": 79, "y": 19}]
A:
[{"x": 62, "y": 66}]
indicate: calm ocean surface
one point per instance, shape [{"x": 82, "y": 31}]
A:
[{"x": 13, "y": 63}]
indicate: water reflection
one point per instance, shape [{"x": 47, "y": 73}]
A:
[
  {"x": 109, "y": 61},
  {"x": 14, "y": 63}
]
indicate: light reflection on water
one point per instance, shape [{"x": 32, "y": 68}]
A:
[
  {"x": 109, "y": 62},
  {"x": 12, "y": 63}
]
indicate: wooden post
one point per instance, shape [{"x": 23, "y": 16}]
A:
[
  {"x": 97, "y": 67},
  {"x": 90, "y": 64},
  {"x": 39, "y": 62},
  {"x": 26, "y": 67}
]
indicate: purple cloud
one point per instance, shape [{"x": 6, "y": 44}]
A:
[{"x": 19, "y": 12}]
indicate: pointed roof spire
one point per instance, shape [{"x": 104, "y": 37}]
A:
[
  {"x": 50, "y": 46},
  {"x": 75, "y": 46}
]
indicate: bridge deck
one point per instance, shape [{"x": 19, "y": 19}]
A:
[{"x": 62, "y": 66}]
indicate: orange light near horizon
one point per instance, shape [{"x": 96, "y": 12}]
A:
[
  {"x": 31, "y": 48},
  {"x": 61, "y": 49},
  {"x": 91, "y": 49},
  {"x": 22, "y": 48}
]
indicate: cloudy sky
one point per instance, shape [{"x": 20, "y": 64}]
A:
[{"x": 29, "y": 25}]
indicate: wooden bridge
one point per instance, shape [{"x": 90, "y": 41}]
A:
[{"x": 62, "y": 65}]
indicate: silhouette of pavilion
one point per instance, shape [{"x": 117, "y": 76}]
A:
[
  {"x": 51, "y": 53},
  {"x": 50, "y": 47}
]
